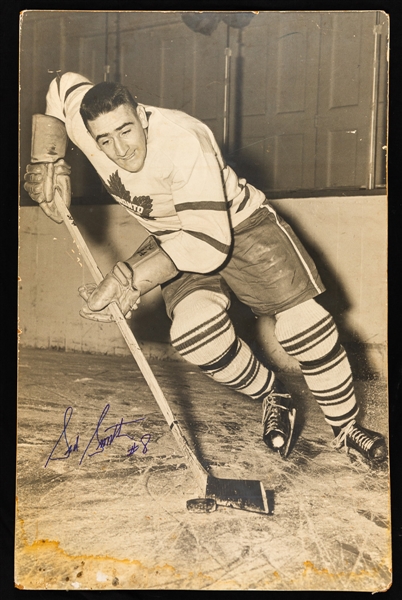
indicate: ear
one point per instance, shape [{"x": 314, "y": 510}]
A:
[{"x": 142, "y": 116}]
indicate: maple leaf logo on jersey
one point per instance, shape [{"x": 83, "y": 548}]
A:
[
  {"x": 116, "y": 187},
  {"x": 142, "y": 205}
]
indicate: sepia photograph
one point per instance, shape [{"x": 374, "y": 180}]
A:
[{"x": 202, "y": 301}]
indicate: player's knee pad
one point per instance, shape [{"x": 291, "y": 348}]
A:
[
  {"x": 307, "y": 332},
  {"x": 202, "y": 331}
]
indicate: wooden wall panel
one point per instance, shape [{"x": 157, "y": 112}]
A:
[
  {"x": 343, "y": 67},
  {"x": 382, "y": 112},
  {"x": 250, "y": 161},
  {"x": 253, "y": 51},
  {"x": 292, "y": 71},
  {"x": 91, "y": 60},
  {"x": 305, "y": 76},
  {"x": 345, "y": 99},
  {"x": 341, "y": 165},
  {"x": 141, "y": 65},
  {"x": 174, "y": 92},
  {"x": 293, "y": 68},
  {"x": 45, "y": 58},
  {"x": 289, "y": 152},
  {"x": 208, "y": 80}
]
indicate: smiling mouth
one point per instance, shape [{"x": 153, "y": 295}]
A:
[{"x": 130, "y": 157}]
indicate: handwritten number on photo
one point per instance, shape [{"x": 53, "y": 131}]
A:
[
  {"x": 145, "y": 439},
  {"x": 116, "y": 431}
]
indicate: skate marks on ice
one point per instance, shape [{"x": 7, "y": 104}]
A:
[{"x": 118, "y": 520}]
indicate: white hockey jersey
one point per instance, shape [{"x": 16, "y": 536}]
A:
[{"x": 185, "y": 194}]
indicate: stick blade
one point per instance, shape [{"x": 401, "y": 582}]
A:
[{"x": 243, "y": 494}]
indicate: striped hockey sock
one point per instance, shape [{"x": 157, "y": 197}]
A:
[
  {"x": 309, "y": 333},
  {"x": 203, "y": 334}
]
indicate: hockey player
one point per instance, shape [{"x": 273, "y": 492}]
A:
[{"x": 212, "y": 232}]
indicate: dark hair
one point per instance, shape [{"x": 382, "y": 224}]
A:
[{"x": 103, "y": 98}]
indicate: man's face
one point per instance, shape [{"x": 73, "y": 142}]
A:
[{"x": 121, "y": 135}]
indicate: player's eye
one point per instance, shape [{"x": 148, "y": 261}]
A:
[
  {"x": 105, "y": 142},
  {"x": 126, "y": 131}
]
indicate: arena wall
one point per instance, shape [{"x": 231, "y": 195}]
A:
[{"x": 347, "y": 237}]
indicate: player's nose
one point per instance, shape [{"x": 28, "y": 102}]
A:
[{"x": 121, "y": 148}]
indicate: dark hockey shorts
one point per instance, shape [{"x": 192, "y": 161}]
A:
[{"x": 269, "y": 270}]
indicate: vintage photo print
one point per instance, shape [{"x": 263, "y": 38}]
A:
[{"x": 202, "y": 378}]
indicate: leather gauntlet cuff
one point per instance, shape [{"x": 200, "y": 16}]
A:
[{"x": 151, "y": 266}]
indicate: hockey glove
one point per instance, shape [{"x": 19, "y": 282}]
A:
[
  {"x": 149, "y": 267},
  {"x": 117, "y": 286},
  {"x": 41, "y": 180}
]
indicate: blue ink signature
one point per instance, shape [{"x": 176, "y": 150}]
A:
[
  {"x": 70, "y": 447},
  {"x": 96, "y": 438}
]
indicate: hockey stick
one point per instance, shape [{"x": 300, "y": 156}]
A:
[{"x": 247, "y": 495}]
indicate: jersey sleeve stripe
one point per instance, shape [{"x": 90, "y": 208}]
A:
[
  {"x": 74, "y": 87},
  {"x": 166, "y": 232},
  {"x": 204, "y": 205},
  {"x": 245, "y": 199},
  {"x": 70, "y": 90},
  {"x": 209, "y": 240}
]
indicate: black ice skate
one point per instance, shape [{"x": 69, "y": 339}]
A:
[
  {"x": 278, "y": 419},
  {"x": 370, "y": 444}
]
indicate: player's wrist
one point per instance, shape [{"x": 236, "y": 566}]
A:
[{"x": 151, "y": 266}]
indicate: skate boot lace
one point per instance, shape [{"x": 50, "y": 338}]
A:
[
  {"x": 270, "y": 416},
  {"x": 356, "y": 435}
]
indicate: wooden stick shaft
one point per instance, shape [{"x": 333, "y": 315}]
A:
[{"x": 199, "y": 472}]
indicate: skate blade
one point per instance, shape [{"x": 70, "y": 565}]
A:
[{"x": 292, "y": 418}]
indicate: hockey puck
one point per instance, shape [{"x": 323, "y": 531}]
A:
[{"x": 201, "y": 505}]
